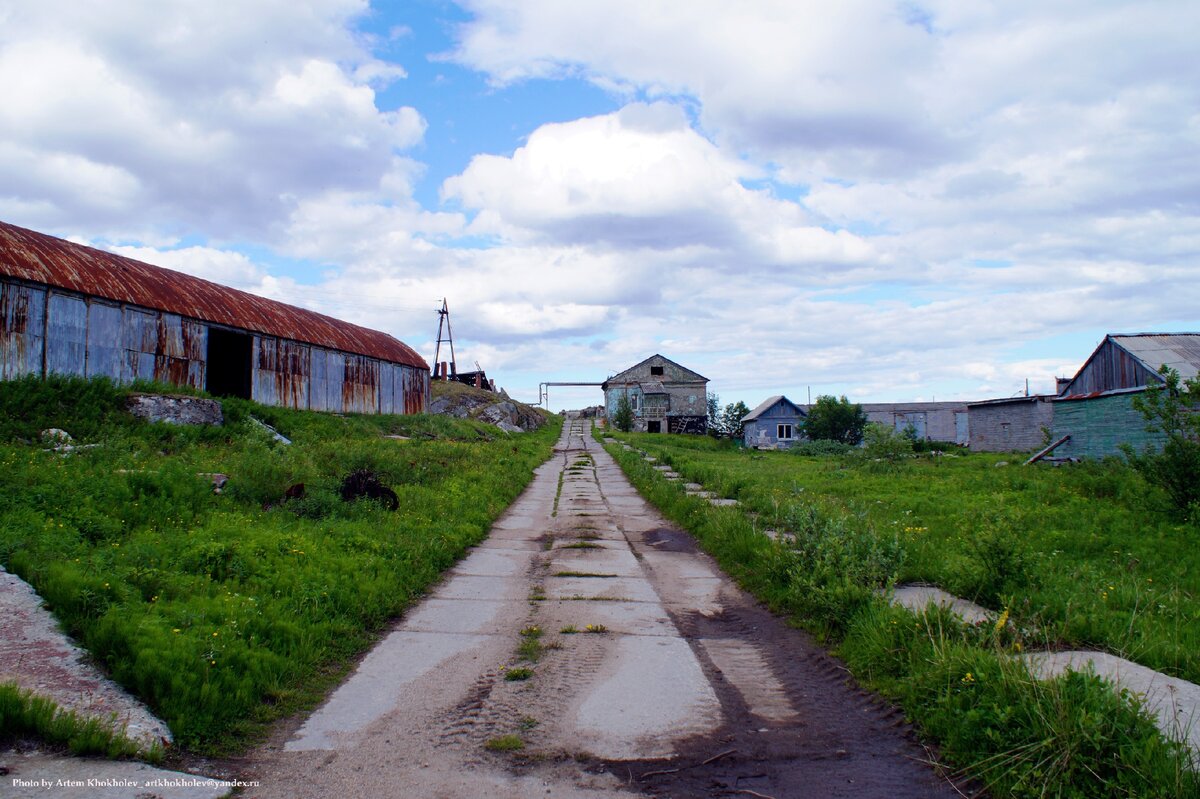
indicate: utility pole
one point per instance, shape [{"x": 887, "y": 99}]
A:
[{"x": 444, "y": 319}]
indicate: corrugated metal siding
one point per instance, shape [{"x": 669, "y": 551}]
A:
[
  {"x": 1098, "y": 425},
  {"x": 104, "y": 352},
  {"x": 414, "y": 389},
  {"x": 387, "y": 388},
  {"x": 38, "y": 258},
  {"x": 22, "y": 330},
  {"x": 66, "y": 334},
  {"x": 281, "y": 372},
  {"x": 1180, "y": 351},
  {"x": 360, "y": 385},
  {"x": 335, "y": 372},
  {"x": 138, "y": 333}
]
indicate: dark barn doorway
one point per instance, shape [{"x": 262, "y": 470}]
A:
[
  {"x": 228, "y": 363},
  {"x": 653, "y": 427}
]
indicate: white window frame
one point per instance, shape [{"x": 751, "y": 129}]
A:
[
  {"x": 779, "y": 430},
  {"x": 635, "y": 402}
]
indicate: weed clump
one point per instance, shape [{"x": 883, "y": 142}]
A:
[{"x": 504, "y": 743}]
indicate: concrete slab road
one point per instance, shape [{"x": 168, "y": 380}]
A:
[{"x": 652, "y": 674}]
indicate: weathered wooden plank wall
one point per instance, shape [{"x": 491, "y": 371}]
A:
[{"x": 1098, "y": 425}]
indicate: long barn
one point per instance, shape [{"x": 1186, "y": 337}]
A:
[{"x": 75, "y": 310}]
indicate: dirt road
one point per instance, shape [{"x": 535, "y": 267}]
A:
[{"x": 674, "y": 683}]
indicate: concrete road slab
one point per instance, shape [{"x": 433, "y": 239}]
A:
[
  {"x": 750, "y": 673},
  {"x": 493, "y": 563},
  {"x": 1174, "y": 703},
  {"x": 918, "y": 597},
  {"x": 377, "y": 686},
  {"x": 621, "y": 618},
  {"x": 679, "y": 566},
  {"x": 600, "y": 588},
  {"x": 653, "y": 694},
  {"x": 467, "y": 586},
  {"x": 489, "y": 617},
  {"x": 510, "y": 544},
  {"x": 619, "y": 562}
]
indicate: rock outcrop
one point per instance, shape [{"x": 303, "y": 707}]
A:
[{"x": 464, "y": 402}]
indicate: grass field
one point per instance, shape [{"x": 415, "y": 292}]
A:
[
  {"x": 1078, "y": 556},
  {"x": 226, "y": 611}
]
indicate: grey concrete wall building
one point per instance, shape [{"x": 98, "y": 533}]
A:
[
  {"x": 665, "y": 397},
  {"x": 1012, "y": 424}
]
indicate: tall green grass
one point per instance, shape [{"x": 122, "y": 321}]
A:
[
  {"x": 24, "y": 714},
  {"x": 225, "y": 611}
]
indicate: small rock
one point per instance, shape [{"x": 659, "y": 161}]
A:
[
  {"x": 1001, "y": 463},
  {"x": 175, "y": 409},
  {"x": 275, "y": 434},
  {"x": 218, "y": 480},
  {"x": 56, "y": 436}
]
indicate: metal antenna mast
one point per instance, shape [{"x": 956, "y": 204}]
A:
[{"x": 444, "y": 319}]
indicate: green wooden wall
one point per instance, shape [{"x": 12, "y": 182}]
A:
[{"x": 1098, "y": 426}]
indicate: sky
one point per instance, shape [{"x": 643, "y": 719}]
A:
[{"x": 894, "y": 201}]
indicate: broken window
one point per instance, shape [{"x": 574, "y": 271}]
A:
[
  {"x": 784, "y": 432},
  {"x": 656, "y": 370}
]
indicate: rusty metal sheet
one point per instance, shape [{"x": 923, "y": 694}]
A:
[
  {"x": 360, "y": 385},
  {"x": 335, "y": 369},
  {"x": 104, "y": 351},
  {"x": 22, "y": 328},
  {"x": 38, "y": 258},
  {"x": 387, "y": 388},
  {"x": 282, "y": 370},
  {"x": 415, "y": 389},
  {"x": 66, "y": 334},
  {"x": 137, "y": 341}
]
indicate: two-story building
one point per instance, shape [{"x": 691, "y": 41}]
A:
[{"x": 664, "y": 396}]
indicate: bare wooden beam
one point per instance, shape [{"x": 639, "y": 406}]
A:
[{"x": 1047, "y": 450}]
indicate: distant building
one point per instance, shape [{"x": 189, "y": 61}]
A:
[
  {"x": 777, "y": 423},
  {"x": 1011, "y": 424},
  {"x": 1096, "y": 407},
  {"x": 74, "y": 310},
  {"x": 931, "y": 421},
  {"x": 665, "y": 397}
]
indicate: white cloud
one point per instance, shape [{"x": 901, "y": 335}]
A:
[
  {"x": 643, "y": 178},
  {"x": 218, "y": 116}
]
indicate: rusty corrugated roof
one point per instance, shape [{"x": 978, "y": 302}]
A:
[{"x": 36, "y": 257}]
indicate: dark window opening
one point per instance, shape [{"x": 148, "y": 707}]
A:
[
  {"x": 653, "y": 427},
  {"x": 228, "y": 368},
  {"x": 656, "y": 370}
]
